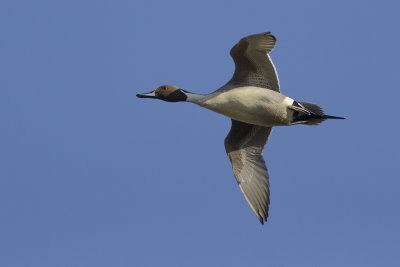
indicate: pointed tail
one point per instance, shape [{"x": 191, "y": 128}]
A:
[
  {"x": 333, "y": 117},
  {"x": 309, "y": 113}
]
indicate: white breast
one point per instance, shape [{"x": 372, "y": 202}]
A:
[{"x": 250, "y": 104}]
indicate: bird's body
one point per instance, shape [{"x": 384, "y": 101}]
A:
[
  {"x": 249, "y": 104},
  {"x": 253, "y": 101}
]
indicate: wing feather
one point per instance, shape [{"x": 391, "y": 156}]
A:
[
  {"x": 244, "y": 146},
  {"x": 253, "y": 65}
]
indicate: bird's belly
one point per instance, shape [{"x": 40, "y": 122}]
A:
[
  {"x": 266, "y": 115},
  {"x": 252, "y": 105}
]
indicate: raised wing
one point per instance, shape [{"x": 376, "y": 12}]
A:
[
  {"x": 244, "y": 146},
  {"x": 253, "y": 66}
]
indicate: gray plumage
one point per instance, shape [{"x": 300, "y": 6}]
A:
[
  {"x": 245, "y": 142},
  {"x": 253, "y": 101},
  {"x": 244, "y": 146},
  {"x": 253, "y": 66}
]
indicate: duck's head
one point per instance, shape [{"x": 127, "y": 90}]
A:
[{"x": 168, "y": 93}]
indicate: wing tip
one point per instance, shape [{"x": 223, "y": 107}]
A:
[
  {"x": 268, "y": 34},
  {"x": 262, "y": 218}
]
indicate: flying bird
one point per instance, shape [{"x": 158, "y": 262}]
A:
[{"x": 254, "y": 103}]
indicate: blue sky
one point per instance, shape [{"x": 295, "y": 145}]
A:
[{"x": 90, "y": 175}]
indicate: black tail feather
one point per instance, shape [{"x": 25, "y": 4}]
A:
[
  {"x": 309, "y": 113},
  {"x": 312, "y": 108},
  {"x": 333, "y": 117}
]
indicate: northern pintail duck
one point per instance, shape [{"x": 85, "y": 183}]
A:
[{"x": 253, "y": 101}]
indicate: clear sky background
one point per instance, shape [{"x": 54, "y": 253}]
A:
[{"x": 90, "y": 175}]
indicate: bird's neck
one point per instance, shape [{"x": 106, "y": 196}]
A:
[{"x": 195, "y": 98}]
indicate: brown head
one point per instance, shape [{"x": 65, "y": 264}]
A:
[{"x": 168, "y": 93}]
